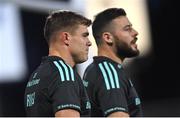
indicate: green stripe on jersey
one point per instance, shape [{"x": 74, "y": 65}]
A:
[
  {"x": 67, "y": 74},
  {"x": 110, "y": 75}
]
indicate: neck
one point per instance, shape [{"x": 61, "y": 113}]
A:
[
  {"x": 108, "y": 52},
  {"x": 63, "y": 53}
]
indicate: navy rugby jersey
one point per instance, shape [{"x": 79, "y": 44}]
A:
[
  {"x": 110, "y": 89},
  {"x": 54, "y": 86}
]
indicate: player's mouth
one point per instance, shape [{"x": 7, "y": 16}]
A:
[{"x": 133, "y": 42}]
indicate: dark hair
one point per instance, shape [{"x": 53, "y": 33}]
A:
[
  {"x": 103, "y": 19},
  {"x": 63, "y": 20}
]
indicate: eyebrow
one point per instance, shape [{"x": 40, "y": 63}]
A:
[{"x": 129, "y": 25}]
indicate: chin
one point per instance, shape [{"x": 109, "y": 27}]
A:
[
  {"x": 132, "y": 54},
  {"x": 136, "y": 53},
  {"x": 85, "y": 59},
  {"x": 82, "y": 60}
]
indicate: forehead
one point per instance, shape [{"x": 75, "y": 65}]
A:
[
  {"x": 121, "y": 21},
  {"x": 81, "y": 28}
]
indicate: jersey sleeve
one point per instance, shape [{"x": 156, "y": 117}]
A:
[
  {"x": 64, "y": 90},
  {"x": 111, "y": 91}
]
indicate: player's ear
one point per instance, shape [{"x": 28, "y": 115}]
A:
[
  {"x": 66, "y": 38},
  {"x": 108, "y": 38}
]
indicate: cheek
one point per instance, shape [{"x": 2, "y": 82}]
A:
[
  {"x": 127, "y": 40},
  {"x": 82, "y": 42},
  {"x": 79, "y": 46},
  {"x": 123, "y": 41}
]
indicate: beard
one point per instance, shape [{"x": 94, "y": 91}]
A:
[{"x": 125, "y": 50}]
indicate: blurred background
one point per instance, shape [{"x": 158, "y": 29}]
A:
[{"x": 155, "y": 72}]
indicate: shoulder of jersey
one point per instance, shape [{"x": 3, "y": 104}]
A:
[
  {"x": 65, "y": 71},
  {"x": 110, "y": 74}
]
